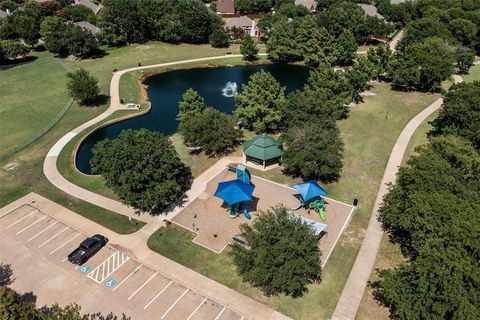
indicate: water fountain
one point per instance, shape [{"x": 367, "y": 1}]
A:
[{"x": 230, "y": 89}]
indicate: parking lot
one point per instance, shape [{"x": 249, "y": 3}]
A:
[{"x": 139, "y": 290}]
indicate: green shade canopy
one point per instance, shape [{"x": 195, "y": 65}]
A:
[{"x": 263, "y": 148}]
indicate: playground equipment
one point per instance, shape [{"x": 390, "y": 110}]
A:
[
  {"x": 318, "y": 206},
  {"x": 242, "y": 173},
  {"x": 234, "y": 192}
]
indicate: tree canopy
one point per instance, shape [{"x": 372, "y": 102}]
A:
[
  {"x": 248, "y": 48},
  {"x": 460, "y": 113},
  {"x": 165, "y": 20},
  {"x": 83, "y": 87},
  {"x": 142, "y": 168},
  {"x": 260, "y": 104},
  {"x": 273, "y": 239},
  {"x": 313, "y": 150},
  {"x": 432, "y": 213}
]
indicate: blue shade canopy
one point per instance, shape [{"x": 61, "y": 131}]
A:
[
  {"x": 234, "y": 191},
  {"x": 309, "y": 190}
]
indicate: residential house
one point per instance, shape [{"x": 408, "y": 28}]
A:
[
  {"x": 370, "y": 10},
  {"x": 245, "y": 23},
  {"x": 87, "y": 26},
  {"x": 225, "y": 7},
  {"x": 90, "y": 5},
  {"x": 309, "y": 4},
  {"x": 3, "y": 14}
]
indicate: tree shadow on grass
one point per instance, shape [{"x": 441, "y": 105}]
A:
[
  {"x": 6, "y": 275},
  {"x": 9, "y": 64}
]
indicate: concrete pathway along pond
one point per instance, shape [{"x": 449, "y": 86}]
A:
[{"x": 50, "y": 164}]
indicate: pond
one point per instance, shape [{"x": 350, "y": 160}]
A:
[{"x": 165, "y": 90}]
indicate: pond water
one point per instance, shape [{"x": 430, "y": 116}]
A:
[{"x": 217, "y": 85}]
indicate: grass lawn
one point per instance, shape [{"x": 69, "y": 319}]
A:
[
  {"x": 36, "y": 91},
  {"x": 389, "y": 254},
  {"x": 369, "y": 135},
  {"x": 473, "y": 75},
  {"x": 32, "y": 95}
]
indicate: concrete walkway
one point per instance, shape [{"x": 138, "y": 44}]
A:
[
  {"x": 349, "y": 302},
  {"x": 352, "y": 293}
]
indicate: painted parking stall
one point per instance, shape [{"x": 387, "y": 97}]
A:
[{"x": 140, "y": 287}]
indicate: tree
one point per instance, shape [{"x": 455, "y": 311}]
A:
[
  {"x": 78, "y": 12},
  {"x": 11, "y": 49},
  {"x": 423, "y": 66},
  {"x": 421, "y": 29},
  {"x": 343, "y": 16},
  {"x": 281, "y": 45},
  {"x": 464, "y": 31},
  {"x": 248, "y": 48},
  {"x": 315, "y": 43},
  {"x": 12, "y": 306},
  {"x": 460, "y": 113},
  {"x": 324, "y": 76},
  {"x": 346, "y": 48},
  {"x": 192, "y": 105},
  {"x": 431, "y": 213},
  {"x": 218, "y": 38},
  {"x": 83, "y": 86},
  {"x": 464, "y": 59},
  {"x": 303, "y": 106},
  {"x": 212, "y": 131},
  {"x": 259, "y": 106},
  {"x": 359, "y": 76},
  {"x": 313, "y": 150},
  {"x": 273, "y": 239},
  {"x": 380, "y": 58},
  {"x": 142, "y": 168}
]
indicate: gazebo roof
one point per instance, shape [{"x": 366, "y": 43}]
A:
[{"x": 262, "y": 147}]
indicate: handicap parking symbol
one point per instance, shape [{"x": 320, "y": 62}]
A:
[
  {"x": 110, "y": 283},
  {"x": 85, "y": 268}
]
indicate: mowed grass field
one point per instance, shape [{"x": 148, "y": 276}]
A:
[
  {"x": 32, "y": 94},
  {"x": 369, "y": 135},
  {"x": 473, "y": 75}
]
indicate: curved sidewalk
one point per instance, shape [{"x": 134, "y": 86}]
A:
[
  {"x": 352, "y": 293},
  {"x": 50, "y": 164}
]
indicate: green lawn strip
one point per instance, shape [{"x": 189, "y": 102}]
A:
[
  {"x": 32, "y": 95},
  {"x": 369, "y": 135},
  {"x": 28, "y": 175},
  {"x": 389, "y": 254},
  {"x": 473, "y": 74}
]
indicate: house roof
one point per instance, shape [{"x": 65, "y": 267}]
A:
[
  {"x": 88, "y": 26},
  {"x": 238, "y": 22},
  {"x": 225, "y": 6},
  {"x": 3, "y": 14},
  {"x": 90, "y": 5},
  {"x": 309, "y": 4},
  {"x": 370, "y": 10},
  {"x": 263, "y": 148}
]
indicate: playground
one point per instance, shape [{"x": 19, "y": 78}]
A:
[{"x": 211, "y": 218}]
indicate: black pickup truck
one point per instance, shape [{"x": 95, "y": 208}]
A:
[{"x": 87, "y": 249}]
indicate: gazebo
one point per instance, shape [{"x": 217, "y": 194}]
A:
[{"x": 262, "y": 150}]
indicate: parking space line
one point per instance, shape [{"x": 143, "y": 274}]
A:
[
  {"x": 176, "y": 301},
  {"x": 63, "y": 245},
  {"x": 30, "y": 225},
  {"x": 157, "y": 295},
  {"x": 218, "y": 315},
  {"x": 28, "y": 215},
  {"x": 143, "y": 285},
  {"x": 127, "y": 277},
  {"x": 196, "y": 309},
  {"x": 48, "y": 240},
  {"x": 103, "y": 270},
  {"x": 33, "y": 237}
]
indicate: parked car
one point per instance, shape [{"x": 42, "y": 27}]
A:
[{"x": 87, "y": 249}]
